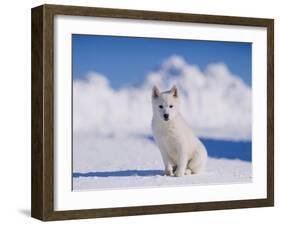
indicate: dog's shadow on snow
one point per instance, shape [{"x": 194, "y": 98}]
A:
[{"x": 122, "y": 173}]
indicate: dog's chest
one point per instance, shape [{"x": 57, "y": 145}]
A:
[{"x": 168, "y": 135}]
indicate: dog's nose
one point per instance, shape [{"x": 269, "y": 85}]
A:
[{"x": 166, "y": 116}]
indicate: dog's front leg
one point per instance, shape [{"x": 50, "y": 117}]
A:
[
  {"x": 168, "y": 164},
  {"x": 181, "y": 163},
  {"x": 169, "y": 169}
]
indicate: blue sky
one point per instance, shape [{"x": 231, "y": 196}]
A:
[{"x": 126, "y": 60}]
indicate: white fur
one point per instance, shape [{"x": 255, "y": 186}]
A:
[{"x": 182, "y": 152}]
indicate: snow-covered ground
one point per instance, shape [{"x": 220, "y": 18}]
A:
[{"x": 127, "y": 162}]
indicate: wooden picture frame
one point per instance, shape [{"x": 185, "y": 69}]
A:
[{"x": 42, "y": 203}]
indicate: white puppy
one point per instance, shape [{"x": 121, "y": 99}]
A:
[{"x": 181, "y": 150}]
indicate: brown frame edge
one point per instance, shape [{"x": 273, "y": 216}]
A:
[{"x": 42, "y": 193}]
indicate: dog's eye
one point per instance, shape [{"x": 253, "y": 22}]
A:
[
  {"x": 160, "y": 106},
  {"x": 171, "y": 106}
]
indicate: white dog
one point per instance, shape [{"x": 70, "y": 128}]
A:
[{"x": 181, "y": 150}]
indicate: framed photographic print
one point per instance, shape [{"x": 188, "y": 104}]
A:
[{"x": 141, "y": 112}]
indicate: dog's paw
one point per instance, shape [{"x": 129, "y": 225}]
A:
[
  {"x": 169, "y": 173},
  {"x": 188, "y": 172},
  {"x": 179, "y": 173}
]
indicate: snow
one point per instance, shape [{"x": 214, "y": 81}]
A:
[
  {"x": 116, "y": 162},
  {"x": 215, "y": 102}
]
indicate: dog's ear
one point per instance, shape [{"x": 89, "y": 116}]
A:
[
  {"x": 155, "y": 92},
  {"x": 174, "y": 91}
]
